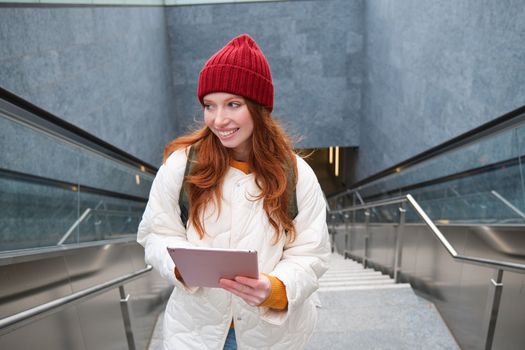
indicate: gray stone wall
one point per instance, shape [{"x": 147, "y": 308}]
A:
[
  {"x": 436, "y": 69},
  {"x": 315, "y": 50},
  {"x": 392, "y": 77},
  {"x": 104, "y": 69}
]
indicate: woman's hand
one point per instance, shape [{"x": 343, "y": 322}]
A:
[{"x": 252, "y": 291}]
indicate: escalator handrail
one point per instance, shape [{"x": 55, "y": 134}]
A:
[
  {"x": 20, "y": 319},
  {"x": 508, "y": 120},
  {"x": 12, "y": 257},
  {"x": 504, "y": 265},
  {"x": 26, "y": 112},
  {"x": 70, "y": 186}
]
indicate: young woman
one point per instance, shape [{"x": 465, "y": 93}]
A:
[{"x": 239, "y": 198}]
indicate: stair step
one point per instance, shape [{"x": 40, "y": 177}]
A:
[
  {"x": 357, "y": 282},
  {"x": 359, "y": 268},
  {"x": 364, "y": 275},
  {"x": 331, "y": 271},
  {"x": 346, "y": 274},
  {"x": 354, "y": 278},
  {"x": 351, "y": 272},
  {"x": 323, "y": 289}
]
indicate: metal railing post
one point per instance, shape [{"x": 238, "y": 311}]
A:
[
  {"x": 345, "y": 250},
  {"x": 332, "y": 230},
  {"x": 347, "y": 233},
  {"x": 367, "y": 221},
  {"x": 124, "y": 307},
  {"x": 399, "y": 240},
  {"x": 348, "y": 236},
  {"x": 494, "y": 308}
]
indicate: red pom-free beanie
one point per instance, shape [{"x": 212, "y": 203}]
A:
[{"x": 239, "y": 68}]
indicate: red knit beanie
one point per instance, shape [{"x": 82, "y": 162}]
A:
[{"x": 239, "y": 68}]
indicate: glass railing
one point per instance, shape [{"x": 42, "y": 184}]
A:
[
  {"x": 56, "y": 190},
  {"x": 480, "y": 180}
]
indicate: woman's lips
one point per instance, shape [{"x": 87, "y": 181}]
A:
[{"x": 226, "y": 134}]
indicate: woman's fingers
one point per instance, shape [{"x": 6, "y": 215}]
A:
[
  {"x": 249, "y": 298},
  {"x": 261, "y": 283},
  {"x": 252, "y": 291}
]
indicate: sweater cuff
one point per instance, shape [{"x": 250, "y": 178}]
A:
[{"x": 277, "y": 299}]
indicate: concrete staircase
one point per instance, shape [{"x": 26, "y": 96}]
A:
[
  {"x": 350, "y": 275},
  {"x": 363, "y": 309}
]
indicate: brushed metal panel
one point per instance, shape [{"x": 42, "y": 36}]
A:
[
  {"x": 382, "y": 244},
  {"x": 510, "y": 326},
  {"x": 456, "y": 235},
  {"x": 135, "y": 253},
  {"x": 101, "y": 322},
  {"x": 427, "y": 249},
  {"x": 356, "y": 240},
  {"x": 497, "y": 242},
  {"x": 60, "y": 331},
  {"x": 458, "y": 290},
  {"x": 473, "y": 309},
  {"x": 409, "y": 244},
  {"x": 437, "y": 276},
  {"x": 29, "y": 284},
  {"x": 340, "y": 239},
  {"x": 98, "y": 265},
  {"x": 507, "y": 241},
  {"x": 468, "y": 315}
]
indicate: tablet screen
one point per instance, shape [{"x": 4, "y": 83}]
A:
[{"x": 204, "y": 267}]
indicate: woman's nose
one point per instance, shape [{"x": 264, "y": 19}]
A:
[{"x": 221, "y": 118}]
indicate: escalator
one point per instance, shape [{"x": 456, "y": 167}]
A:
[{"x": 71, "y": 274}]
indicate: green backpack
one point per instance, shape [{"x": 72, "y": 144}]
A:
[{"x": 184, "y": 200}]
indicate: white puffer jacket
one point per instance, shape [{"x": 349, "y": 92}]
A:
[{"x": 199, "y": 318}]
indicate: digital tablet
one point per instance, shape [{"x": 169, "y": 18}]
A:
[{"x": 204, "y": 267}]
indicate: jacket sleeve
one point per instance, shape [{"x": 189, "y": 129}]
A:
[
  {"x": 161, "y": 226},
  {"x": 306, "y": 258}
]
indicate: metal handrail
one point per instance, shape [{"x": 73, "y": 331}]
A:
[
  {"x": 437, "y": 233},
  {"x": 20, "y": 319},
  {"x": 380, "y": 203}
]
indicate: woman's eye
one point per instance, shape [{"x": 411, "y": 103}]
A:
[
  {"x": 207, "y": 107},
  {"x": 235, "y": 104}
]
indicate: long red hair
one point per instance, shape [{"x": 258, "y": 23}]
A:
[{"x": 271, "y": 159}]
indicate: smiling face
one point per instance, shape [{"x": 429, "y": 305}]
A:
[{"x": 229, "y": 119}]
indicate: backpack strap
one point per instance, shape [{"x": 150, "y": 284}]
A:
[
  {"x": 184, "y": 199},
  {"x": 293, "y": 210}
]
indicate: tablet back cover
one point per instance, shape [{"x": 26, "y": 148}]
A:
[{"x": 204, "y": 267}]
